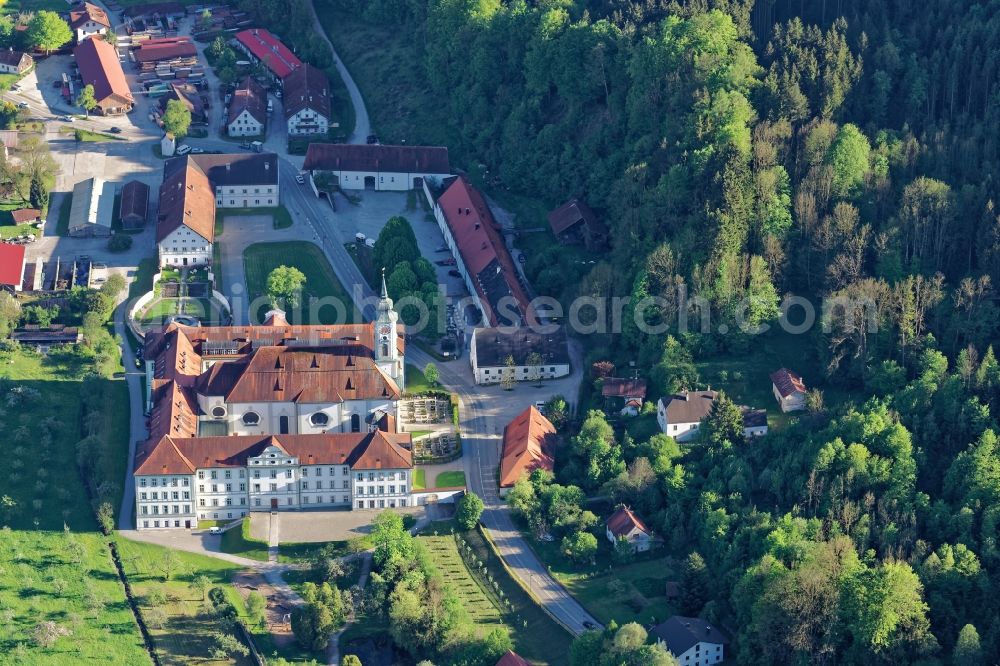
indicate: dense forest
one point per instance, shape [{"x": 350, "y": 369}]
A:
[{"x": 745, "y": 151}]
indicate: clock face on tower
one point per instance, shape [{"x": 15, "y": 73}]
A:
[{"x": 383, "y": 330}]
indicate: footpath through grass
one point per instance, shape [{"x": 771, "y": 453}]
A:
[{"x": 324, "y": 299}]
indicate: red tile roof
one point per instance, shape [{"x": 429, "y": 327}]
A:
[
  {"x": 306, "y": 88},
  {"x": 249, "y": 96},
  {"x": 11, "y": 264},
  {"x": 187, "y": 199},
  {"x": 25, "y": 215},
  {"x": 360, "y": 450},
  {"x": 512, "y": 659},
  {"x": 528, "y": 441},
  {"x": 100, "y": 67},
  {"x": 787, "y": 382},
  {"x": 376, "y": 158},
  {"x": 88, "y": 12},
  {"x": 615, "y": 387},
  {"x": 482, "y": 246},
  {"x": 623, "y": 521},
  {"x": 268, "y": 49},
  {"x": 165, "y": 48}
]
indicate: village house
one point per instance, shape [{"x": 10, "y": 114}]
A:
[
  {"x": 511, "y": 658},
  {"x": 624, "y": 524},
  {"x": 574, "y": 222},
  {"x": 11, "y": 266},
  {"x": 99, "y": 66},
  {"x": 26, "y": 216},
  {"x": 247, "y": 113},
  {"x": 263, "y": 47},
  {"x": 623, "y": 395},
  {"x": 15, "y": 62},
  {"x": 194, "y": 186},
  {"x": 528, "y": 444},
  {"x": 680, "y": 415},
  {"x": 87, "y": 21},
  {"x": 692, "y": 640},
  {"x": 533, "y": 355},
  {"x": 377, "y": 167},
  {"x": 789, "y": 390},
  {"x": 306, "y": 101}
]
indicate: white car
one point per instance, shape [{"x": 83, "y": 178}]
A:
[
  {"x": 197, "y": 151},
  {"x": 299, "y": 179},
  {"x": 215, "y": 530},
  {"x": 183, "y": 149}
]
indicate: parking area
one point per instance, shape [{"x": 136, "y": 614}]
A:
[{"x": 313, "y": 526}]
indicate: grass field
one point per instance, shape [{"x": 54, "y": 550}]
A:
[
  {"x": 419, "y": 479},
  {"x": 238, "y": 542},
  {"x": 416, "y": 382},
  {"x": 280, "y": 217},
  {"x": 536, "y": 636},
  {"x": 184, "y": 637},
  {"x": 324, "y": 300},
  {"x": 143, "y": 281},
  {"x": 610, "y": 591},
  {"x": 54, "y": 564},
  {"x": 450, "y": 479}
]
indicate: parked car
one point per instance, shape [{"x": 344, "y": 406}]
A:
[
  {"x": 197, "y": 151},
  {"x": 115, "y": 130},
  {"x": 67, "y": 119},
  {"x": 22, "y": 105},
  {"x": 454, "y": 273},
  {"x": 15, "y": 88},
  {"x": 215, "y": 530},
  {"x": 450, "y": 261},
  {"x": 183, "y": 149},
  {"x": 57, "y": 83},
  {"x": 299, "y": 179}
]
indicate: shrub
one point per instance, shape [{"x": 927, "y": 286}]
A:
[{"x": 120, "y": 242}]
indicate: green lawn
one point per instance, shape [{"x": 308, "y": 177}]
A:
[
  {"x": 17, "y": 6},
  {"x": 631, "y": 592},
  {"x": 324, "y": 300},
  {"x": 536, "y": 636},
  {"x": 419, "y": 479},
  {"x": 450, "y": 479},
  {"x": 238, "y": 542},
  {"x": 184, "y": 637},
  {"x": 143, "y": 278},
  {"x": 7, "y": 227},
  {"x": 54, "y": 564},
  {"x": 88, "y": 136},
  {"x": 280, "y": 217},
  {"x": 416, "y": 381}
]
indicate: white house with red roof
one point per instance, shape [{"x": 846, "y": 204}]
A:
[
  {"x": 789, "y": 390},
  {"x": 88, "y": 20},
  {"x": 11, "y": 266},
  {"x": 624, "y": 524},
  {"x": 263, "y": 47},
  {"x": 376, "y": 167}
]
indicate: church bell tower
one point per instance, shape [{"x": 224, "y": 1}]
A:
[{"x": 386, "y": 337}]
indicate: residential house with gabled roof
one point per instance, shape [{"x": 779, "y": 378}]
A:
[
  {"x": 624, "y": 524},
  {"x": 789, "y": 390},
  {"x": 306, "y": 101},
  {"x": 378, "y": 167},
  {"x": 15, "y": 62},
  {"x": 680, "y": 415},
  {"x": 534, "y": 354},
  {"x": 99, "y": 66},
  {"x": 692, "y": 640},
  {"x": 511, "y": 658},
  {"x": 247, "y": 114},
  {"x": 88, "y": 20},
  {"x": 11, "y": 266},
  {"x": 529, "y": 443}
]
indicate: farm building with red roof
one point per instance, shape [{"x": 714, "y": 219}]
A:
[
  {"x": 100, "y": 67},
  {"x": 262, "y": 46},
  {"x": 11, "y": 266}
]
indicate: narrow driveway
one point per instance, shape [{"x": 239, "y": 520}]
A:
[{"x": 362, "y": 125}]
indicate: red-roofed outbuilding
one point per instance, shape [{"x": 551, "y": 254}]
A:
[
  {"x": 11, "y": 266},
  {"x": 264, "y": 47}
]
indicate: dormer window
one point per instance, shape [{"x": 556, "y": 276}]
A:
[
  {"x": 218, "y": 412},
  {"x": 251, "y": 418}
]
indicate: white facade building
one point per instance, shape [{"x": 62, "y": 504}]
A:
[
  {"x": 491, "y": 347},
  {"x": 245, "y": 124},
  {"x": 306, "y": 101},
  {"x": 378, "y": 167},
  {"x": 371, "y": 470},
  {"x": 680, "y": 415},
  {"x": 88, "y": 21},
  {"x": 185, "y": 247},
  {"x": 692, "y": 640}
]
